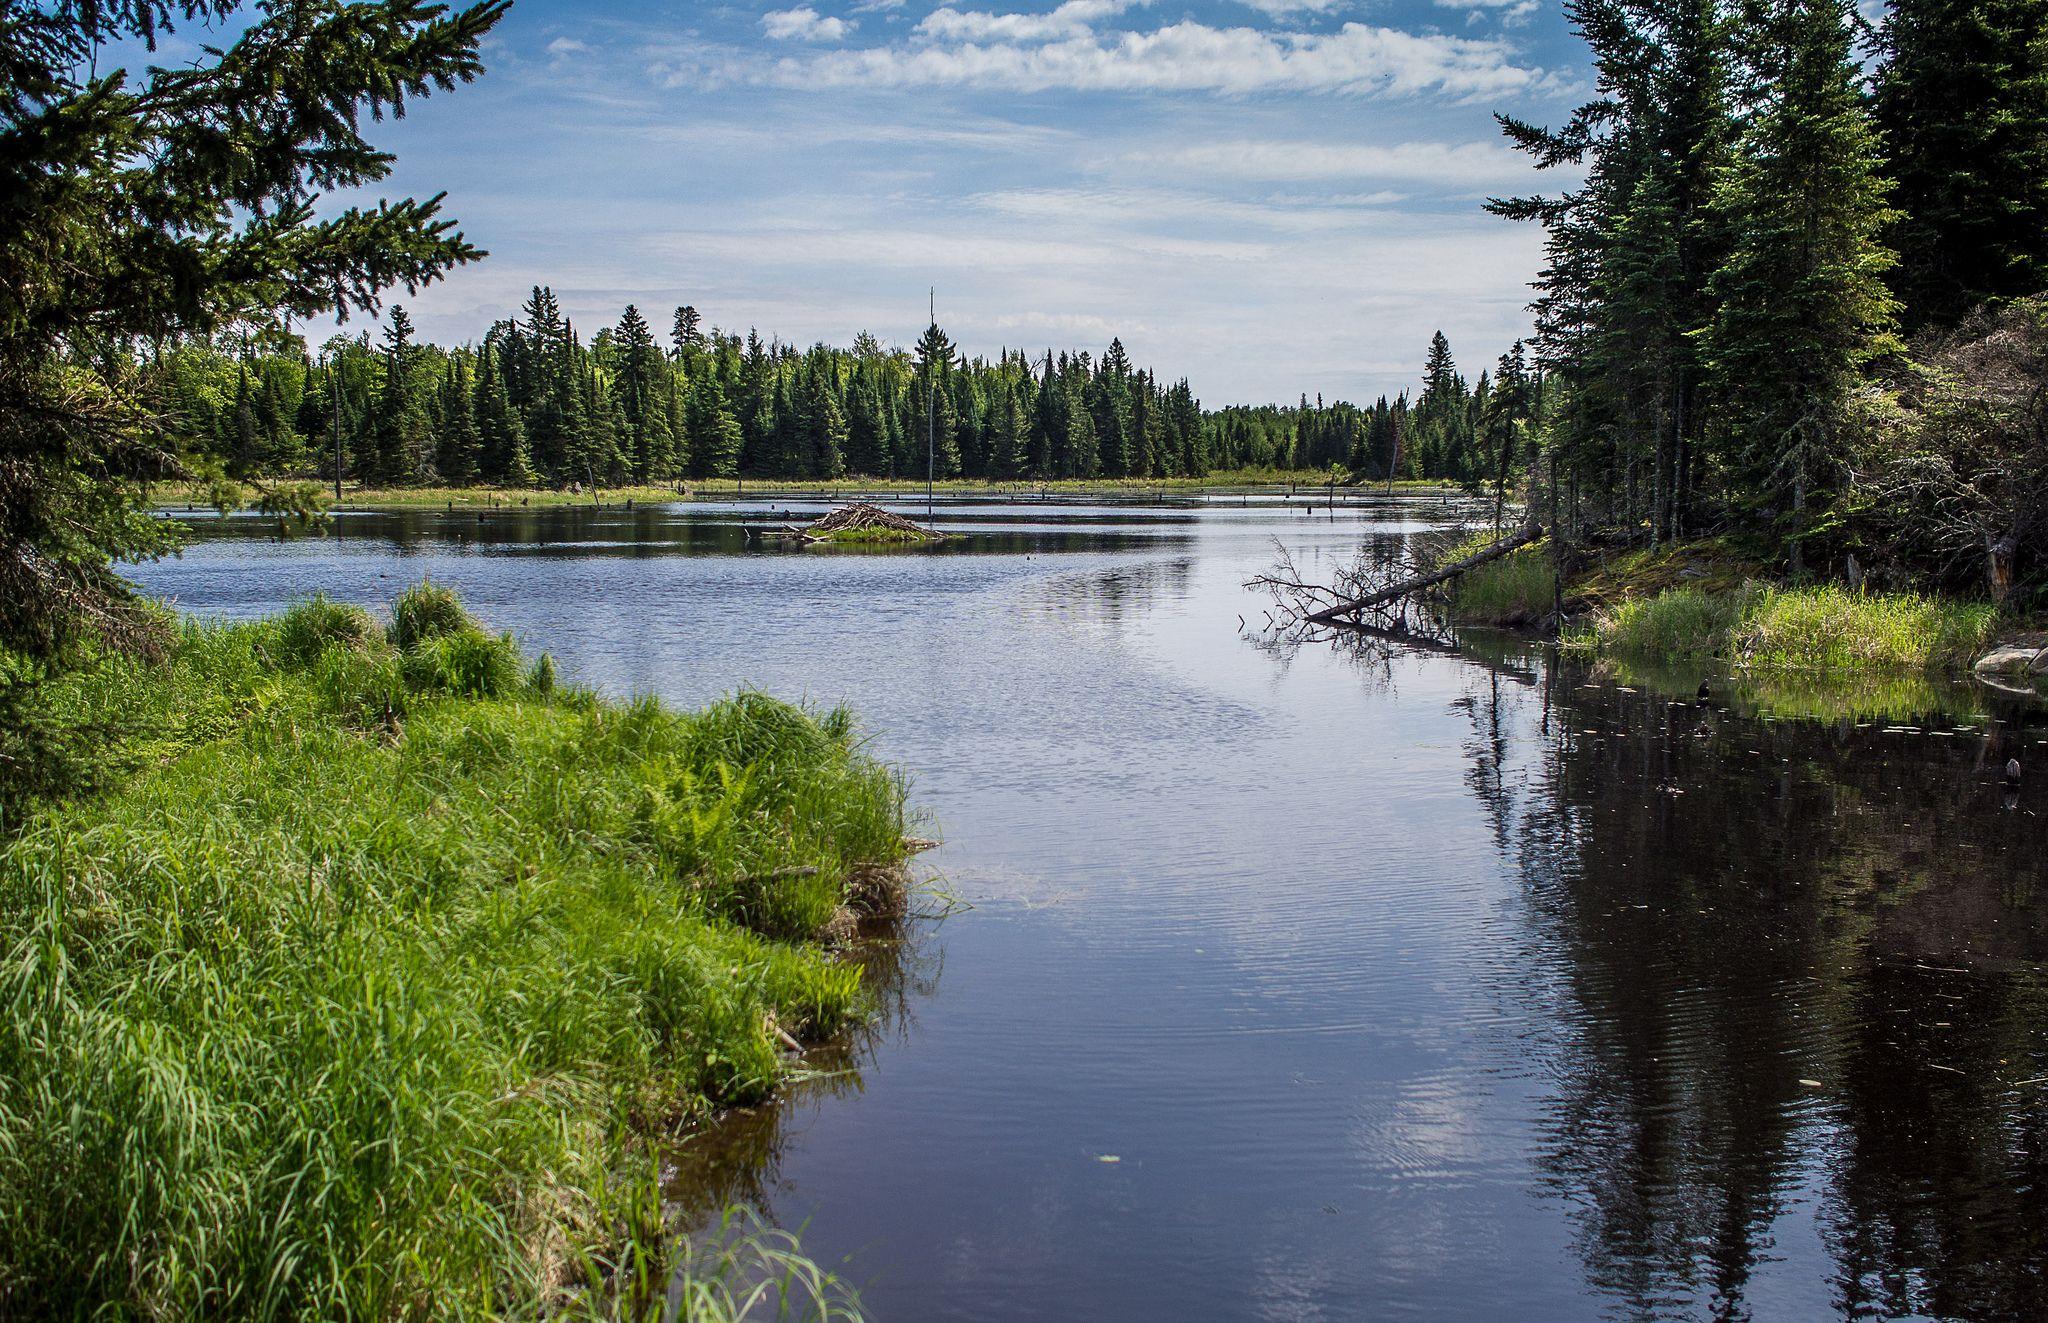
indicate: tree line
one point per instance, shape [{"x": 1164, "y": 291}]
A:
[
  {"x": 533, "y": 405},
  {"x": 1451, "y": 431},
  {"x": 1796, "y": 296}
]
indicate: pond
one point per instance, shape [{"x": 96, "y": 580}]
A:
[{"x": 1305, "y": 982}]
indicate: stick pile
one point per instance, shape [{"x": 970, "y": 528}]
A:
[{"x": 860, "y": 515}]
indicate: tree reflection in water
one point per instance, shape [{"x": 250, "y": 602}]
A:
[{"x": 1795, "y": 978}]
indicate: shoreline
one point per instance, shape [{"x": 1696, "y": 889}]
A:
[
  {"x": 1702, "y": 603},
  {"x": 1249, "y": 482}
]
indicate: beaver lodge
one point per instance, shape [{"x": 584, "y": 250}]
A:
[{"x": 860, "y": 523}]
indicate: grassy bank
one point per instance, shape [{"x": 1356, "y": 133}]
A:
[
  {"x": 719, "y": 489},
  {"x": 361, "y": 994},
  {"x": 1705, "y": 601}
]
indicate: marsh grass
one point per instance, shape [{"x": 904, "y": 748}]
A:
[
  {"x": 1517, "y": 589},
  {"x": 873, "y": 537},
  {"x": 1824, "y": 628},
  {"x": 382, "y": 963}
]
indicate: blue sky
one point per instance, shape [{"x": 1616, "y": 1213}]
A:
[{"x": 1268, "y": 196}]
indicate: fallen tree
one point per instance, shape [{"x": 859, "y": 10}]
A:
[
  {"x": 1359, "y": 590},
  {"x": 1417, "y": 582}
]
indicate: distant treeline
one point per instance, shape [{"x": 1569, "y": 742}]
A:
[
  {"x": 533, "y": 405},
  {"x": 1453, "y": 431}
]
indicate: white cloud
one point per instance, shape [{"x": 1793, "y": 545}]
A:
[
  {"x": 802, "y": 24},
  {"x": 1440, "y": 164},
  {"x": 566, "y": 46},
  {"x": 1511, "y": 11},
  {"x": 1159, "y": 208},
  {"x": 1356, "y": 60},
  {"x": 1075, "y": 18},
  {"x": 1278, "y": 8}
]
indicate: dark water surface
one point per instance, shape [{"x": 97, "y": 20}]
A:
[{"x": 1396, "y": 982}]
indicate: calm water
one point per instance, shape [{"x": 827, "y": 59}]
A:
[{"x": 1397, "y": 982}]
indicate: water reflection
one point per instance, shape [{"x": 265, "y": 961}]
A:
[
  {"x": 1802, "y": 966},
  {"x": 1405, "y": 978}
]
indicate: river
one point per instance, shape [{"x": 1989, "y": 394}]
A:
[{"x": 1307, "y": 982}]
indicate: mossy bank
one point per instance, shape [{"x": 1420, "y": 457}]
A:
[{"x": 362, "y": 988}]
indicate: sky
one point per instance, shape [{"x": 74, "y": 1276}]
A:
[{"x": 1269, "y": 197}]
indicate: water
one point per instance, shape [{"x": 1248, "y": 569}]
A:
[{"x": 1397, "y": 981}]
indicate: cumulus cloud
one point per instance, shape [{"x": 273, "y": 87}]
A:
[{"x": 802, "y": 24}]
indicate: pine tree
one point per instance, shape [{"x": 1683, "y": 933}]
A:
[
  {"x": 399, "y": 431},
  {"x": 714, "y": 433},
  {"x": 685, "y": 335},
  {"x": 1802, "y": 301},
  {"x": 1963, "y": 102},
  {"x": 506, "y": 457},
  {"x": 173, "y": 203},
  {"x": 242, "y": 441},
  {"x": 936, "y": 416},
  {"x": 458, "y": 441}
]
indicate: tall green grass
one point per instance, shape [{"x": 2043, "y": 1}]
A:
[
  {"x": 1517, "y": 589},
  {"x": 358, "y": 995},
  {"x": 1818, "y": 628}
]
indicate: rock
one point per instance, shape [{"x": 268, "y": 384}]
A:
[{"x": 2013, "y": 659}]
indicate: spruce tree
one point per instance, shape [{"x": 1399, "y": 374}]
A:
[
  {"x": 399, "y": 430},
  {"x": 714, "y": 433},
  {"x": 458, "y": 443},
  {"x": 174, "y": 202},
  {"x": 1801, "y": 295},
  {"x": 1963, "y": 101}
]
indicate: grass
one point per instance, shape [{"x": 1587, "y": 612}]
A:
[
  {"x": 356, "y": 497},
  {"x": 1517, "y": 589},
  {"x": 363, "y": 993},
  {"x": 1703, "y": 600},
  {"x": 1819, "y": 628},
  {"x": 873, "y": 537}
]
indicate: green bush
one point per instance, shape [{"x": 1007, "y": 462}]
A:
[{"x": 468, "y": 662}]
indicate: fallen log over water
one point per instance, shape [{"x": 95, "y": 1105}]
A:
[{"x": 1416, "y": 582}]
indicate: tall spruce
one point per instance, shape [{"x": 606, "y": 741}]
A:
[
  {"x": 1802, "y": 304},
  {"x": 139, "y": 207},
  {"x": 1962, "y": 98}
]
